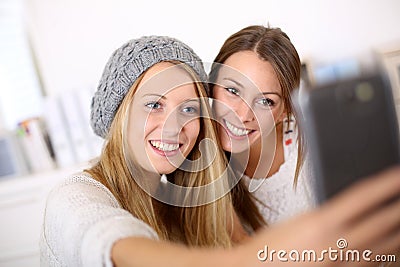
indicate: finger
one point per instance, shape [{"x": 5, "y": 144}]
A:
[
  {"x": 363, "y": 196},
  {"x": 376, "y": 226},
  {"x": 388, "y": 250}
]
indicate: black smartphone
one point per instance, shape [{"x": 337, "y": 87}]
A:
[{"x": 351, "y": 130}]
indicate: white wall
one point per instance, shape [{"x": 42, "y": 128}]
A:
[{"x": 73, "y": 38}]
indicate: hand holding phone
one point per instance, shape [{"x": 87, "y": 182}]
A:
[{"x": 352, "y": 131}]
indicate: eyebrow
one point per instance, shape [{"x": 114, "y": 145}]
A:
[
  {"x": 192, "y": 100},
  {"x": 235, "y": 82},
  {"x": 163, "y": 97},
  {"x": 274, "y": 93},
  {"x": 160, "y": 96}
]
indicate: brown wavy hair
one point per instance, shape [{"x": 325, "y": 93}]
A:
[{"x": 274, "y": 46}]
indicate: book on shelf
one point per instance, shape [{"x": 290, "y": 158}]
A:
[
  {"x": 12, "y": 159},
  {"x": 68, "y": 118},
  {"x": 57, "y": 129},
  {"x": 34, "y": 139},
  {"x": 84, "y": 101},
  {"x": 75, "y": 126}
]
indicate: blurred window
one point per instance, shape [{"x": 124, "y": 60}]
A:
[{"x": 20, "y": 91}]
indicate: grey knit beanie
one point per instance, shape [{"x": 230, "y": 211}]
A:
[{"x": 126, "y": 64}]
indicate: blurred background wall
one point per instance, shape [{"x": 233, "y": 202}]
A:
[
  {"x": 73, "y": 39},
  {"x": 52, "y": 53}
]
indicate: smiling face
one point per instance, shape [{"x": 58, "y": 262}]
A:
[
  {"x": 248, "y": 100},
  {"x": 164, "y": 120}
]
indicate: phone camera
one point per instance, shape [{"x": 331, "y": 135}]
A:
[{"x": 364, "y": 92}]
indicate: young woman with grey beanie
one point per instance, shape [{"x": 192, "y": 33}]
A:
[{"x": 159, "y": 194}]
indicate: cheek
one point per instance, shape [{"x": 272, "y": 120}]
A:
[
  {"x": 140, "y": 127},
  {"x": 266, "y": 121},
  {"x": 192, "y": 130},
  {"x": 146, "y": 126},
  {"x": 135, "y": 134},
  {"x": 279, "y": 111},
  {"x": 222, "y": 107},
  {"x": 224, "y": 138},
  {"x": 137, "y": 119}
]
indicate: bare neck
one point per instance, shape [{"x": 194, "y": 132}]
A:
[{"x": 265, "y": 159}]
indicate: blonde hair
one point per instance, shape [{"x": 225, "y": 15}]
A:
[{"x": 204, "y": 225}]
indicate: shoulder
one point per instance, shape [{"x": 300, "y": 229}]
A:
[
  {"x": 80, "y": 201},
  {"x": 79, "y": 189},
  {"x": 82, "y": 221}
]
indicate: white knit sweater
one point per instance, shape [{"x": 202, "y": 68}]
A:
[
  {"x": 280, "y": 199},
  {"x": 82, "y": 221}
]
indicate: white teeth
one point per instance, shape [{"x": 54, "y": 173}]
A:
[
  {"x": 164, "y": 146},
  {"x": 236, "y": 131}
]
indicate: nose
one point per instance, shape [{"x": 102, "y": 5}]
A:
[
  {"x": 244, "y": 111},
  {"x": 171, "y": 125}
]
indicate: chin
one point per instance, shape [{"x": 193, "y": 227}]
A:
[
  {"x": 239, "y": 149},
  {"x": 235, "y": 146},
  {"x": 166, "y": 169}
]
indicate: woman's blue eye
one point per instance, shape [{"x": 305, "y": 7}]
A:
[
  {"x": 267, "y": 102},
  {"x": 192, "y": 110},
  {"x": 232, "y": 90},
  {"x": 153, "y": 105}
]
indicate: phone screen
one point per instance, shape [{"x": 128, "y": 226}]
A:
[{"x": 351, "y": 130}]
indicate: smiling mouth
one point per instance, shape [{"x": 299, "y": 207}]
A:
[
  {"x": 235, "y": 131},
  {"x": 165, "y": 147}
]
